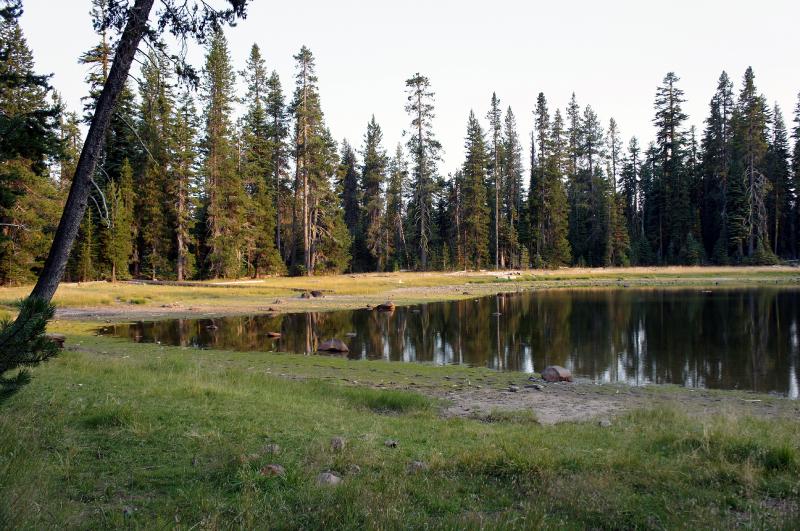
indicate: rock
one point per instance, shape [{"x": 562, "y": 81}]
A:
[
  {"x": 368, "y": 307},
  {"x": 333, "y": 345},
  {"x": 513, "y": 388},
  {"x": 417, "y": 466},
  {"x": 273, "y": 470},
  {"x": 58, "y": 339},
  {"x": 604, "y": 423},
  {"x": 272, "y": 449},
  {"x": 390, "y": 443},
  {"x": 337, "y": 444},
  {"x": 387, "y": 306},
  {"x": 273, "y": 334},
  {"x": 317, "y": 294},
  {"x": 466, "y": 293},
  {"x": 328, "y": 478},
  {"x": 271, "y": 309},
  {"x": 556, "y": 373},
  {"x": 128, "y": 511},
  {"x": 538, "y": 387},
  {"x": 353, "y": 469},
  {"x": 305, "y": 295}
]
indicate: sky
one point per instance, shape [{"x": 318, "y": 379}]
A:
[{"x": 611, "y": 53}]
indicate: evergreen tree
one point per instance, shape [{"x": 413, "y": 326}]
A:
[
  {"x": 424, "y": 151},
  {"x": 118, "y": 229},
  {"x": 781, "y": 197},
  {"x": 511, "y": 250},
  {"x": 278, "y": 132},
  {"x": 28, "y": 141},
  {"x": 257, "y": 174},
  {"x": 749, "y": 153},
  {"x": 373, "y": 175},
  {"x": 319, "y": 228},
  {"x": 496, "y": 158},
  {"x": 223, "y": 191},
  {"x": 476, "y": 212},
  {"x": 716, "y": 164},
  {"x": 395, "y": 247},
  {"x": 182, "y": 188},
  {"x": 350, "y": 196}
]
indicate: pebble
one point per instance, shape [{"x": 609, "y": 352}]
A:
[
  {"x": 337, "y": 444},
  {"x": 604, "y": 423},
  {"x": 417, "y": 466},
  {"x": 328, "y": 478},
  {"x": 513, "y": 388},
  {"x": 273, "y": 470},
  {"x": 272, "y": 449},
  {"x": 390, "y": 443}
]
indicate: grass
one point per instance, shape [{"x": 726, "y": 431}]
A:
[
  {"x": 119, "y": 434},
  {"x": 356, "y": 290}
]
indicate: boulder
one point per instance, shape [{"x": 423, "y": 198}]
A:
[
  {"x": 58, "y": 339},
  {"x": 556, "y": 373},
  {"x": 387, "y": 306},
  {"x": 333, "y": 345},
  {"x": 317, "y": 294}
]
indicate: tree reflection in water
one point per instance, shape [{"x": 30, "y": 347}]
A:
[{"x": 726, "y": 338}]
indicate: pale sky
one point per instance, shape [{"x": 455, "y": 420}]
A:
[{"x": 611, "y": 53}]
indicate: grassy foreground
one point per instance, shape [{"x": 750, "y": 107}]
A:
[{"x": 114, "y": 434}]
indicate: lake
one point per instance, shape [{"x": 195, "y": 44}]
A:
[{"x": 720, "y": 338}]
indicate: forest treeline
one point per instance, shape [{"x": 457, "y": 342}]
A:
[{"x": 187, "y": 189}]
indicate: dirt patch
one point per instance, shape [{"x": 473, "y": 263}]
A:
[{"x": 565, "y": 402}]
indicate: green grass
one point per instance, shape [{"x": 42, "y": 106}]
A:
[{"x": 139, "y": 435}]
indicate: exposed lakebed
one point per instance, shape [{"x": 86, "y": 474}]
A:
[{"x": 723, "y": 338}]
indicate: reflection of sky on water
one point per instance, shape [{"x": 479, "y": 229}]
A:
[{"x": 745, "y": 339}]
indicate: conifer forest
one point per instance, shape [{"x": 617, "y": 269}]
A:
[{"x": 188, "y": 187}]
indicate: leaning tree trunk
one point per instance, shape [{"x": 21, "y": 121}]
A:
[{"x": 75, "y": 206}]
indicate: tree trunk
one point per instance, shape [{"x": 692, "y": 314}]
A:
[{"x": 75, "y": 206}]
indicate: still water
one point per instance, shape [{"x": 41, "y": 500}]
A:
[{"x": 725, "y": 338}]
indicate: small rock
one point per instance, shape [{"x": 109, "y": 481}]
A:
[
  {"x": 272, "y": 449},
  {"x": 273, "y": 470},
  {"x": 328, "y": 478},
  {"x": 556, "y": 373},
  {"x": 513, "y": 388},
  {"x": 333, "y": 345},
  {"x": 317, "y": 294},
  {"x": 58, "y": 339},
  {"x": 390, "y": 443},
  {"x": 353, "y": 469},
  {"x": 417, "y": 466},
  {"x": 128, "y": 511},
  {"x": 387, "y": 306},
  {"x": 604, "y": 423},
  {"x": 337, "y": 444},
  {"x": 305, "y": 295}
]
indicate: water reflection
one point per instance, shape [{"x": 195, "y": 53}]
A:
[{"x": 744, "y": 338}]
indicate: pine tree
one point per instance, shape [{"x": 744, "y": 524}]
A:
[
  {"x": 373, "y": 175},
  {"x": 631, "y": 191},
  {"x": 395, "y": 247},
  {"x": 118, "y": 229},
  {"x": 750, "y": 149},
  {"x": 512, "y": 193},
  {"x": 319, "y": 229},
  {"x": 28, "y": 141},
  {"x": 424, "y": 151},
  {"x": 496, "y": 172},
  {"x": 278, "y": 132},
  {"x": 476, "y": 212},
  {"x": 556, "y": 250},
  {"x": 537, "y": 190},
  {"x": 257, "y": 173},
  {"x": 716, "y": 165},
  {"x": 350, "y": 196},
  {"x": 182, "y": 187},
  {"x": 781, "y": 197},
  {"x": 223, "y": 191},
  {"x": 156, "y": 115},
  {"x": 795, "y": 226}
]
